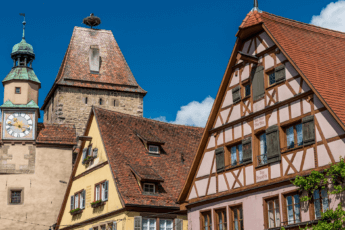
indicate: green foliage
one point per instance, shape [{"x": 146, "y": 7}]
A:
[
  {"x": 87, "y": 159},
  {"x": 330, "y": 220},
  {"x": 74, "y": 210},
  {"x": 336, "y": 173},
  {"x": 96, "y": 202},
  {"x": 315, "y": 180}
]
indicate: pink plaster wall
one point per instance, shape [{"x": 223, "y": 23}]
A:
[
  {"x": 220, "y": 139},
  {"x": 290, "y": 71},
  {"x": 328, "y": 125},
  {"x": 266, "y": 39},
  {"x": 249, "y": 175},
  {"x": 295, "y": 109},
  {"x": 259, "y": 105},
  {"x": 269, "y": 61},
  {"x": 273, "y": 120},
  {"x": 306, "y": 106},
  {"x": 245, "y": 72},
  {"x": 338, "y": 149},
  {"x": 309, "y": 162},
  {"x": 228, "y": 134},
  {"x": 237, "y": 131},
  {"x": 284, "y": 113},
  {"x": 235, "y": 78},
  {"x": 252, "y": 204},
  {"x": 201, "y": 186},
  {"x": 259, "y": 121},
  {"x": 228, "y": 99},
  {"x": 284, "y": 93},
  {"x": 275, "y": 170},
  {"x": 225, "y": 114},
  {"x": 246, "y": 46},
  {"x": 211, "y": 142},
  {"x": 236, "y": 113},
  {"x": 206, "y": 164},
  {"x": 280, "y": 58}
]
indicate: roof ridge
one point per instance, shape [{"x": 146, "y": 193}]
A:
[
  {"x": 307, "y": 25},
  {"x": 148, "y": 119}
]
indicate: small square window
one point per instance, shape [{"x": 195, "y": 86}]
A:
[
  {"x": 236, "y": 155},
  {"x": 149, "y": 188},
  {"x": 153, "y": 149},
  {"x": 18, "y": 90},
  {"x": 294, "y": 136},
  {"x": 272, "y": 78},
  {"x": 15, "y": 196},
  {"x": 246, "y": 89}
]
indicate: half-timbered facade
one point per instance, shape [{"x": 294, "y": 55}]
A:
[{"x": 278, "y": 114}]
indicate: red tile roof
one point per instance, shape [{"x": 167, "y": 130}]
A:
[
  {"x": 56, "y": 134},
  {"x": 145, "y": 173},
  {"x": 319, "y": 54},
  {"x": 114, "y": 73},
  {"x": 126, "y": 152}
]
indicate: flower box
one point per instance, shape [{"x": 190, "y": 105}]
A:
[
  {"x": 88, "y": 159},
  {"x": 76, "y": 211},
  {"x": 97, "y": 203}
]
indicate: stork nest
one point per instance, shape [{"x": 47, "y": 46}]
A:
[{"x": 92, "y": 21}]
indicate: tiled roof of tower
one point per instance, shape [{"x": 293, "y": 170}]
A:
[
  {"x": 319, "y": 54},
  {"x": 126, "y": 152},
  {"x": 114, "y": 73}
]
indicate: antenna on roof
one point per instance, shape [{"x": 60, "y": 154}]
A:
[
  {"x": 92, "y": 20},
  {"x": 24, "y": 22},
  {"x": 256, "y": 6}
]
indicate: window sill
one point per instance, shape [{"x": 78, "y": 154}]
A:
[
  {"x": 284, "y": 150},
  {"x": 246, "y": 97},
  {"x": 150, "y": 193},
  {"x": 77, "y": 212},
  {"x": 233, "y": 167},
  {"x": 294, "y": 225},
  {"x": 98, "y": 204}
]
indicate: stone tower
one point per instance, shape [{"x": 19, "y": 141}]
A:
[{"x": 93, "y": 72}]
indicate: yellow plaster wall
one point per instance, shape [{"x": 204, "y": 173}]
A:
[
  {"x": 96, "y": 143},
  {"x": 88, "y": 182},
  {"x": 29, "y": 91}
]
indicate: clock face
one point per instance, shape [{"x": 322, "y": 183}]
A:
[{"x": 18, "y": 125}]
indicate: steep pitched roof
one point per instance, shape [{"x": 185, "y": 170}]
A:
[
  {"x": 127, "y": 153},
  {"x": 316, "y": 53},
  {"x": 114, "y": 73},
  {"x": 56, "y": 134}
]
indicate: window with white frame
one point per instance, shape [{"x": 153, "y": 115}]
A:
[
  {"x": 101, "y": 191},
  {"x": 153, "y": 149},
  {"x": 149, "y": 224},
  {"x": 78, "y": 200},
  {"x": 165, "y": 224},
  {"x": 148, "y": 187}
]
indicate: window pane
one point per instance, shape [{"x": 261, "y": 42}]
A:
[
  {"x": 290, "y": 215},
  {"x": 277, "y": 212},
  {"x": 169, "y": 224},
  {"x": 324, "y": 200},
  {"x": 290, "y": 139},
  {"x": 145, "y": 224},
  {"x": 317, "y": 206},
  {"x": 263, "y": 146},
  {"x": 162, "y": 224},
  {"x": 206, "y": 222},
  {"x": 220, "y": 219},
  {"x": 240, "y": 153},
  {"x": 299, "y": 134},
  {"x": 297, "y": 209},
  {"x": 233, "y": 155},
  {"x": 270, "y": 218},
  {"x": 272, "y": 78},
  {"x": 15, "y": 197},
  {"x": 289, "y": 200},
  {"x": 247, "y": 90},
  {"x": 152, "y": 224}
]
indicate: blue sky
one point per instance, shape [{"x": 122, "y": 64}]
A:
[{"x": 177, "y": 50}]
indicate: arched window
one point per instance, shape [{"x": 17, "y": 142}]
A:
[{"x": 100, "y": 101}]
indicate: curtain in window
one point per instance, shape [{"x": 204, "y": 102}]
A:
[
  {"x": 76, "y": 201},
  {"x": 290, "y": 137},
  {"x": 233, "y": 156},
  {"x": 240, "y": 153},
  {"x": 299, "y": 134},
  {"x": 97, "y": 192},
  {"x": 263, "y": 149}
]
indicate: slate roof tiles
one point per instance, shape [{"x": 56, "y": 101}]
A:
[{"x": 126, "y": 152}]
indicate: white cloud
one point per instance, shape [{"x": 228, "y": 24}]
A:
[
  {"x": 331, "y": 17},
  {"x": 194, "y": 114}
]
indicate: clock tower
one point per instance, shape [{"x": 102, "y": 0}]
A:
[{"x": 20, "y": 109}]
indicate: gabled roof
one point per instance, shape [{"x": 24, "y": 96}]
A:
[
  {"x": 114, "y": 74},
  {"x": 316, "y": 53},
  {"x": 126, "y": 153}
]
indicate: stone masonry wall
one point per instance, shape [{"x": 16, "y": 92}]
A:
[{"x": 69, "y": 106}]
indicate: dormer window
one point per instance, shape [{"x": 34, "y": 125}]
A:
[
  {"x": 153, "y": 149},
  {"x": 149, "y": 187},
  {"x": 17, "y": 90},
  {"x": 94, "y": 59}
]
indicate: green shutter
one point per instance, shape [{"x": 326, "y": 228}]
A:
[
  {"x": 273, "y": 146},
  {"x": 258, "y": 83},
  {"x": 138, "y": 222},
  {"x": 280, "y": 73},
  {"x": 247, "y": 150},
  {"x": 220, "y": 159},
  {"x": 308, "y": 130},
  {"x": 236, "y": 94}
]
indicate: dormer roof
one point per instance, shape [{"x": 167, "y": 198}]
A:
[{"x": 145, "y": 173}]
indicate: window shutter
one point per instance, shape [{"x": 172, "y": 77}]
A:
[
  {"x": 114, "y": 225},
  {"x": 89, "y": 150},
  {"x": 72, "y": 202},
  {"x": 236, "y": 94},
  {"x": 280, "y": 73},
  {"x": 138, "y": 222},
  {"x": 273, "y": 146},
  {"x": 105, "y": 191},
  {"x": 95, "y": 152},
  {"x": 82, "y": 201},
  {"x": 178, "y": 224},
  {"x": 308, "y": 130},
  {"x": 220, "y": 159},
  {"x": 258, "y": 83},
  {"x": 247, "y": 150},
  {"x": 84, "y": 153}
]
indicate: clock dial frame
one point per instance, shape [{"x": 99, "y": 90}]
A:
[{"x": 18, "y": 125}]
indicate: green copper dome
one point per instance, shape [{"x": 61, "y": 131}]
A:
[
  {"x": 22, "y": 73},
  {"x": 23, "y": 47}
]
